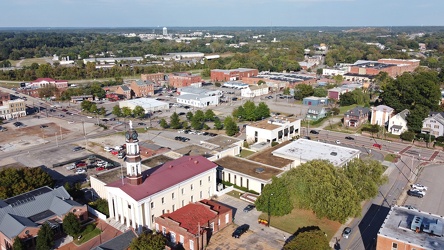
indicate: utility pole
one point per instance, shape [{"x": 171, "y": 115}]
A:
[{"x": 57, "y": 142}]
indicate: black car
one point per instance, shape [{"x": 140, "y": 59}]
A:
[
  {"x": 78, "y": 148},
  {"x": 349, "y": 138},
  {"x": 141, "y": 124},
  {"x": 181, "y": 113},
  {"x": 249, "y": 208},
  {"x": 306, "y": 137},
  {"x": 43, "y": 126},
  {"x": 415, "y": 193},
  {"x": 314, "y": 132},
  {"x": 105, "y": 120},
  {"x": 240, "y": 230}
]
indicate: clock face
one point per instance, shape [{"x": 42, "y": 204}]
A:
[
  {"x": 127, "y": 135},
  {"x": 134, "y": 135}
]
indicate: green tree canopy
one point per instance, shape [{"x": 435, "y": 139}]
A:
[
  {"x": 189, "y": 116},
  {"x": 250, "y": 112},
  {"x": 15, "y": 181},
  {"x": 18, "y": 244},
  {"x": 347, "y": 99},
  {"x": 311, "y": 238},
  {"x": 198, "y": 120},
  {"x": 71, "y": 225},
  {"x": 149, "y": 241},
  {"x": 86, "y": 105},
  {"x": 139, "y": 112},
  {"x": 416, "y": 116},
  {"x": 126, "y": 112},
  {"x": 45, "y": 239},
  {"x": 175, "y": 121},
  {"x": 274, "y": 198},
  {"x": 163, "y": 123},
  {"x": 117, "y": 111},
  {"x": 230, "y": 125},
  {"x": 320, "y": 92},
  {"x": 209, "y": 115},
  {"x": 218, "y": 124},
  {"x": 262, "y": 111},
  {"x": 303, "y": 90}
]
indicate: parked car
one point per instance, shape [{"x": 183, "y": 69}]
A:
[
  {"x": 306, "y": 137},
  {"x": 3, "y": 129},
  {"x": 415, "y": 193},
  {"x": 64, "y": 110},
  {"x": 80, "y": 171},
  {"x": 100, "y": 168},
  {"x": 376, "y": 145},
  {"x": 107, "y": 149},
  {"x": 346, "y": 232},
  {"x": 314, "y": 132},
  {"x": 81, "y": 164},
  {"x": 71, "y": 167},
  {"x": 78, "y": 148},
  {"x": 181, "y": 113},
  {"x": 418, "y": 186},
  {"x": 43, "y": 126},
  {"x": 349, "y": 138},
  {"x": 248, "y": 208},
  {"x": 141, "y": 123},
  {"x": 338, "y": 142},
  {"x": 114, "y": 152},
  {"x": 240, "y": 230}
]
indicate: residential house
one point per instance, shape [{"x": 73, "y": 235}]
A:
[
  {"x": 315, "y": 113},
  {"x": 13, "y": 109},
  {"x": 255, "y": 90},
  {"x": 4, "y": 97},
  {"x": 192, "y": 226},
  {"x": 23, "y": 215},
  {"x": 315, "y": 101},
  {"x": 274, "y": 129},
  {"x": 381, "y": 115},
  {"x": 409, "y": 228},
  {"x": 125, "y": 91},
  {"x": 398, "y": 123},
  {"x": 140, "y": 197},
  {"x": 142, "y": 88},
  {"x": 433, "y": 124},
  {"x": 183, "y": 79},
  {"x": 356, "y": 117}
]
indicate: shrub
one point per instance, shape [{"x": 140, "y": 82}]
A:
[{"x": 274, "y": 143}]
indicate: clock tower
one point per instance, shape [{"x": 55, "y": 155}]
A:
[{"x": 133, "y": 160}]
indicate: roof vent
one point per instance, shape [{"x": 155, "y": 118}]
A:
[
  {"x": 195, "y": 162},
  {"x": 259, "y": 170},
  {"x": 171, "y": 166},
  {"x": 334, "y": 153}
]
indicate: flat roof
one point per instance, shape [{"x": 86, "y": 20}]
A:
[
  {"x": 194, "y": 150},
  {"x": 151, "y": 102},
  {"x": 398, "y": 223},
  {"x": 307, "y": 150},
  {"x": 266, "y": 157},
  {"x": 248, "y": 167},
  {"x": 274, "y": 122},
  {"x": 222, "y": 142}
]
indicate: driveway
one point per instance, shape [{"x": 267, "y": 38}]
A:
[{"x": 270, "y": 237}]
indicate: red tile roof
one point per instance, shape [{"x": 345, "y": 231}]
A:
[
  {"x": 192, "y": 216},
  {"x": 165, "y": 176},
  {"x": 216, "y": 206}
]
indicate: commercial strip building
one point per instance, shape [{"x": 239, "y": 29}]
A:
[
  {"x": 221, "y": 75},
  {"x": 148, "y": 104},
  {"x": 303, "y": 150},
  {"x": 274, "y": 129},
  {"x": 183, "y": 79},
  {"x": 405, "y": 228},
  {"x": 198, "y": 97},
  {"x": 254, "y": 90},
  {"x": 13, "y": 109}
]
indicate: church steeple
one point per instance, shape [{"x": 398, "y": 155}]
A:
[{"x": 133, "y": 160}]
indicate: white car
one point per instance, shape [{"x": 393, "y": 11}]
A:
[
  {"x": 418, "y": 191},
  {"x": 70, "y": 122},
  {"x": 80, "y": 171},
  {"x": 107, "y": 149},
  {"x": 418, "y": 186},
  {"x": 71, "y": 167},
  {"x": 338, "y": 142}
]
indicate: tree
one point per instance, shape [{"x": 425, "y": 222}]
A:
[
  {"x": 218, "y": 124},
  {"x": 93, "y": 108},
  {"x": 139, "y": 112},
  {"x": 18, "y": 244},
  {"x": 209, "y": 115},
  {"x": 262, "y": 111},
  {"x": 189, "y": 115},
  {"x": 303, "y": 90},
  {"x": 408, "y": 136},
  {"x": 163, "y": 123},
  {"x": 101, "y": 111},
  {"x": 198, "y": 120},
  {"x": 320, "y": 92},
  {"x": 86, "y": 105},
  {"x": 308, "y": 238},
  {"x": 175, "y": 121},
  {"x": 250, "y": 111},
  {"x": 117, "y": 111},
  {"x": 338, "y": 79},
  {"x": 415, "y": 118},
  {"x": 347, "y": 99},
  {"x": 149, "y": 241},
  {"x": 45, "y": 238},
  {"x": 239, "y": 112},
  {"x": 71, "y": 225},
  {"x": 286, "y": 91},
  {"x": 274, "y": 198},
  {"x": 230, "y": 125},
  {"x": 15, "y": 181},
  {"x": 126, "y": 112},
  {"x": 48, "y": 91}
]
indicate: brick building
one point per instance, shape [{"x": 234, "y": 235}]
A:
[
  {"x": 179, "y": 80},
  {"x": 393, "y": 67},
  {"x": 124, "y": 91},
  {"x": 221, "y": 75},
  {"x": 155, "y": 77},
  {"x": 43, "y": 82},
  {"x": 142, "y": 88},
  {"x": 356, "y": 117},
  {"x": 192, "y": 225},
  {"x": 13, "y": 109},
  {"x": 4, "y": 97}
]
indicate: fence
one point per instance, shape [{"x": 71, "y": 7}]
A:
[{"x": 96, "y": 213}]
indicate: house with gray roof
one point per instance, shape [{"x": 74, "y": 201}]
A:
[
  {"x": 433, "y": 124},
  {"x": 315, "y": 113},
  {"x": 121, "y": 242},
  {"x": 23, "y": 215},
  {"x": 398, "y": 123},
  {"x": 356, "y": 117}
]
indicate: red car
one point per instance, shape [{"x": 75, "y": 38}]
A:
[
  {"x": 115, "y": 152},
  {"x": 376, "y": 145},
  {"x": 81, "y": 164},
  {"x": 100, "y": 168}
]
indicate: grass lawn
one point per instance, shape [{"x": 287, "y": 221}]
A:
[
  {"x": 302, "y": 218},
  {"x": 9, "y": 84},
  {"x": 245, "y": 153},
  {"x": 235, "y": 194},
  {"x": 88, "y": 236},
  {"x": 390, "y": 157},
  {"x": 346, "y": 108}
]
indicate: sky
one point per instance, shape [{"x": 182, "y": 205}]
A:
[{"x": 208, "y": 13}]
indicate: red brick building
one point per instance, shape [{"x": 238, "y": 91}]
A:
[
  {"x": 393, "y": 67},
  {"x": 124, "y": 91},
  {"x": 220, "y": 75},
  {"x": 4, "y": 97},
  {"x": 192, "y": 225},
  {"x": 356, "y": 117},
  {"x": 179, "y": 80},
  {"x": 156, "y": 77},
  {"x": 142, "y": 88},
  {"x": 42, "y": 82}
]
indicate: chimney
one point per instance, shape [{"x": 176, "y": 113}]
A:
[
  {"x": 195, "y": 162},
  {"x": 170, "y": 166}
]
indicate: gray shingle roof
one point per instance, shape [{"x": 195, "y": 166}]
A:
[
  {"x": 16, "y": 215},
  {"x": 356, "y": 111},
  {"x": 120, "y": 242}
]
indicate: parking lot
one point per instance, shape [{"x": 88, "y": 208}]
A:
[
  {"x": 257, "y": 237},
  {"x": 433, "y": 201}
]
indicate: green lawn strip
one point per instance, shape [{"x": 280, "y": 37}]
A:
[
  {"x": 346, "y": 108},
  {"x": 390, "y": 157},
  {"x": 88, "y": 236},
  {"x": 235, "y": 194},
  {"x": 299, "y": 218},
  {"x": 245, "y": 153}
]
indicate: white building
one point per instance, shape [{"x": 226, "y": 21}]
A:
[
  {"x": 235, "y": 85},
  {"x": 148, "y": 104},
  {"x": 433, "y": 124},
  {"x": 398, "y": 123},
  {"x": 138, "y": 198},
  {"x": 13, "y": 109},
  {"x": 303, "y": 150},
  {"x": 381, "y": 115},
  {"x": 255, "y": 90},
  {"x": 198, "y": 97},
  {"x": 165, "y": 31},
  {"x": 274, "y": 129},
  {"x": 198, "y": 91},
  {"x": 335, "y": 71}
]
